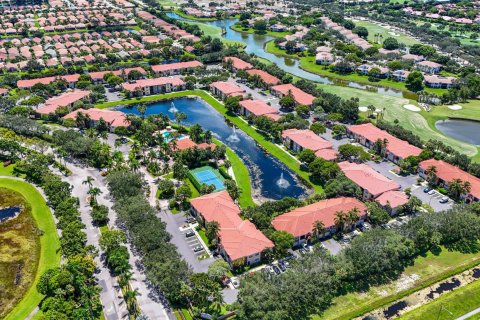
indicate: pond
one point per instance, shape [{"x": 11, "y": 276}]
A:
[
  {"x": 9, "y": 213},
  {"x": 256, "y": 44},
  {"x": 463, "y": 130},
  {"x": 270, "y": 178}
]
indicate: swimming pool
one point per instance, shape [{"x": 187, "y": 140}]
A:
[{"x": 167, "y": 135}]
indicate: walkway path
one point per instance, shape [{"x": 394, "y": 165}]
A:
[{"x": 470, "y": 314}]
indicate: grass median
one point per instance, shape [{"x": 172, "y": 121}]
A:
[{"x": 49, "y": 244}]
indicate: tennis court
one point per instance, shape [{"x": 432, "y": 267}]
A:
[{"x": 209, "y": 175}]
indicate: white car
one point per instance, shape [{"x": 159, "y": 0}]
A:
[{"x": 431, "y": 192}]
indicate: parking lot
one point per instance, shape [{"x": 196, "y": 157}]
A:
[
  {"x": 193, "y": 242},
  {"x": 257, "y": 94}
]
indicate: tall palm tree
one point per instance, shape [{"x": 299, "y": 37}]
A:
[
  {"x": 88, "y": 181},
  {"x": 340, "y": 220},
  {"x": 131, "y": 299},
  {"x": 94, "y": 192},
  {"x": 318, "y": 228},
  {"x": 431, "y": 173},
  {"x": 213, "y": 229},
  {"x": 352, "y": 217}
]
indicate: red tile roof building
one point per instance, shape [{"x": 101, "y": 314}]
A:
[
  {"x": 300, "y": 221},
  {"x": 175, "y": 68},
  {"x": 3, "y": 92},
  {"x": 111, "y": 117},
  {"x": 266, "y": 77},
  {"x": 300, "y": 96},
  {"x": 447, "y": 172},
  {"x": 224, "y": 89},
  {"x": 238, "y": 64},
  {"x": 66, "y": 99},
  {"x": 299, "y": 140},
  {"x": 71, "y": 79},
  {"x": 393, "y": 200},
  {"x": 187, "y": 143},
  {"x": 327, "y": 154},
  {"x": 372, "y": 183},
  {"x": 397, "y": 149},
  {"x": 256, "y": 108},
  {"x": 97, "y": 77},
  {"x": 240, "y": 241},
  {"x": 146, "y": 87}
]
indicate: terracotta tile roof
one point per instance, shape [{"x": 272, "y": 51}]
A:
[
  {"x": 367, "y": 178},
  {"x": 23, "y": 84},
  {"x": 99, "y": 75},
  {"x": 63, "y": 100},
  {"x": 177, "y": 66},
  {"x": 239, "y": 238},
  {"x": 187, "y": 143},
  {"x": 448, "y": 172},
  {"x": 227, "y": 88},
  {"x": 112, "y": 117},
  {"x": 238, "y": 64},
  {"x": 265, "y": 76},
  {"x": 257, "y": 107},
  {"x": 398, "y": 147},
  {"x": 142, "y": 83},
  {"x": 393, "y": 198},
  {"x": 300, "y": 221},
  {"x": 327, "y": 154},
  {"x": 3, "y": 91},
  {"x": 300, "y": 96},
  {"x": 307, "y": 139}
]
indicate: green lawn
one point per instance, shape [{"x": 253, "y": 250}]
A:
[
  {"x": 6, "y": 171},
  {"x": 215, "y": 32},
  {"x": 374, "y": 28},
  {"x": 458, "y": 302},
  {"x": 262, "y": 140},
  {"x": 243, "y": 179},
  {"x": 195, "y": 192},
  {"x": 429, "y": 269},
  {"x": 186, "y": 16},
  {"x": 49, "y": 242}
]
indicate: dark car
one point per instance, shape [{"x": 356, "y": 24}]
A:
[
  {"x": 282, "y": 266},
  {"x": 276, "y": 269},
  {"x": 191, "y": 220},
  {"x": 427, "y": 189},
  {"x": 189, "y": 234},
  {"x": 197, "y": 248}
]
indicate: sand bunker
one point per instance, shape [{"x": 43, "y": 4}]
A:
[
  {"x": 393, "y": 34},
  {"x": 455, "y": 107},
  {"x": 411, "y": 107},
  {"x": 362, "y": 109}
]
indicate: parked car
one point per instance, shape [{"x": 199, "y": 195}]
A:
[
  {"x": 197, "y": 248},
  {"x": 282, "y": 267},
  {"x": 431, "y": 192},
  {"x": 444, "y": 200},
  {"x": 189, "y": 234},
  {"x": 276, "y": 269},
  {"x": 427, "y": 189},
  {"x": 191, "y": 220}
]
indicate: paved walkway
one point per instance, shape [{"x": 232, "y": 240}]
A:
[{"x": 470, "y": 314}]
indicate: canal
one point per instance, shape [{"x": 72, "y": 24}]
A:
[
  {"x": 255, "y": 43},
  {"x": 270, "y": 178}
]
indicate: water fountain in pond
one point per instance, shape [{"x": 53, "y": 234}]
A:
[
  {"x": 282, "y": 183},
  {"x": 233, "y": 137},
  {"x": 173, "y": 109}
]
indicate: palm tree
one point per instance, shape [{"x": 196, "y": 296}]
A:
[
  {"x": 340, "y": 220},
  {"x": 213, "y": 228},
  {"x": 207, "y": 136},
  {"x": 130, "y": 297},
  {"x": 94, "y": 192},
  {"x": 352, "y": 217},
  {"x": 318, "y": 228},
  {"x": 88, "y": 181},
  {"x": 431, "y": 173}
]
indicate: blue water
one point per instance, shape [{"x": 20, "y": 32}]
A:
[
  {"x": 255, "y": 43},
  {"x": 8, "y": 213},
  {"x": 166, "y": 136},
  {"x": 264, "y": 169}
]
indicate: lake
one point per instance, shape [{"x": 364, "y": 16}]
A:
[
  {"x": 264, "y": 169},
  {"x": 463, "y": 130},
  {"x": 255, "y": 43}
]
